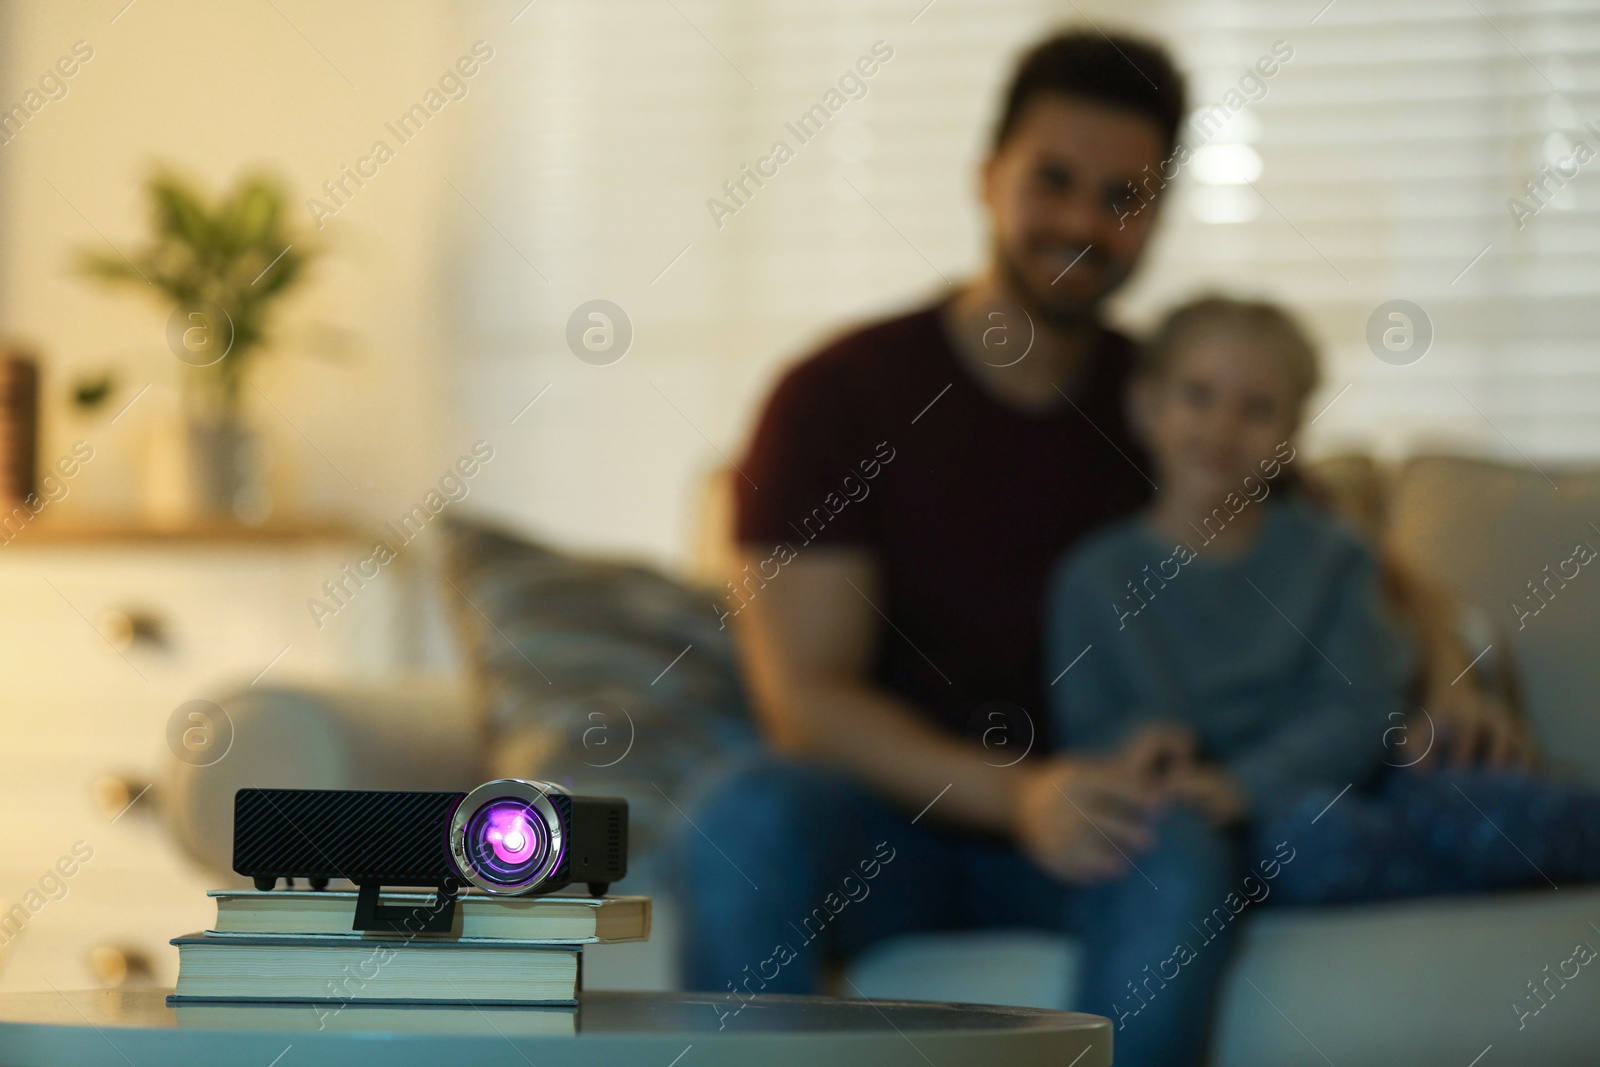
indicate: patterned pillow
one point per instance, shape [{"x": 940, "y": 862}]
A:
[{"x": 607, "y": 677}]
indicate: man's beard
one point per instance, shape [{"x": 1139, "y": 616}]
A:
[{"x": 1058, "y": 307}]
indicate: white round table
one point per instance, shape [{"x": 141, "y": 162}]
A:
[{"x": 139, "y": 1029}]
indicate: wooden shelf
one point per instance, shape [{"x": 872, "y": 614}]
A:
[{"x": 44, "y": 533}]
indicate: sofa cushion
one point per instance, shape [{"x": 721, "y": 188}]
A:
[
  {"x": 1486, "y": 530},
  {"x": 1020, "y": 968},
  {"x": 607, "y": 677},
  {"x": 406, "y": 733},
  {"x": 1420, "y": 982},
  {"x": 1427, "y": 983}
]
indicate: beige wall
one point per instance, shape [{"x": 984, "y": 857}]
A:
[
  {"x": 214, "y": 88},
  {"x": 591, "y": 143}
]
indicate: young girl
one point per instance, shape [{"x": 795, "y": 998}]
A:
[{"x": 1245, "y": 615}]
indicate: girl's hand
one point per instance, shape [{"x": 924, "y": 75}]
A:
[
  {"x": 1210, "y": 790},
  {"x": 1158, "y": 751},
  {"x": 1078, "y": 819}
]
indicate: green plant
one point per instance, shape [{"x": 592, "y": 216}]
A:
[
  {"x": 236, "y": 252},
  {"x": 92, "y": 390}
]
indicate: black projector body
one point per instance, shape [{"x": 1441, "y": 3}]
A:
[{"x": 507, "y": 837}]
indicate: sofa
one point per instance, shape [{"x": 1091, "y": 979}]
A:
[{"x": 1435, "y": 982}]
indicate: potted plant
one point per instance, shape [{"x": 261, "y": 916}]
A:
[{"x": 222, "y": 264}]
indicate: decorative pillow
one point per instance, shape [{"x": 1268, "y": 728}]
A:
[{"x": 607, "y": 677}]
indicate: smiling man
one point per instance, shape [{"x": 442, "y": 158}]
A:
[{"x": 895, "y": 659}]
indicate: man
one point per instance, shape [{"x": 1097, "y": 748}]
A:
[
  {"x": 906, "y": 494},
  {"x": 899, "y": 647}
]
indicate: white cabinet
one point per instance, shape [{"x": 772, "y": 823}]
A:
[{"x": 103, "y": 635}]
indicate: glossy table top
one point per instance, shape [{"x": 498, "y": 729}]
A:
[{"x": 139, "y": 1029}]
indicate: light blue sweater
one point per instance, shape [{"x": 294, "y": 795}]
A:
[{"x": 1283, "y": 661}]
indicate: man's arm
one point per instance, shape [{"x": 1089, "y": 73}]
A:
[
  {"x": 1474, "y": 726},
  {"x": 808, "y": 639}
]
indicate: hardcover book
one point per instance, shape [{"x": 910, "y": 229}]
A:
[
  {"x": 554, "y": 920},
  {"x": 352, "y": 970}
]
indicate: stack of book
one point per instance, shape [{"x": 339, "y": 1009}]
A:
[{"x": 285, "y": 946}]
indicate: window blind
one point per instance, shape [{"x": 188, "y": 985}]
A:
[
  {"x": 1376, "y": 165},
  {"x": 1392, "y": 147}
]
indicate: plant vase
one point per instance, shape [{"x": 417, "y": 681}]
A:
[{"x": 226, "y": 468}]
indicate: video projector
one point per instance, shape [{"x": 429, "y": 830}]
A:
[{"x": 509, "y": 837}]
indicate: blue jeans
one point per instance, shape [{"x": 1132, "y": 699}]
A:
[
  {"x": 1411, "y": 834},
  {"x": 785, "y": 865}
]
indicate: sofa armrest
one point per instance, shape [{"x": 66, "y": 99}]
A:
[{"x": 411, "y": 734}]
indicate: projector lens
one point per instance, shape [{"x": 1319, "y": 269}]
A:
[
  {"x": 506, "y": 840},
  {"x": 506, "y": 836}
]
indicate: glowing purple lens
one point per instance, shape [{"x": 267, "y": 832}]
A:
[{"x": 507, "y": 841}]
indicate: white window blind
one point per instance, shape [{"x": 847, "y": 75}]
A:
[
  {"x": 1379, "y": 160},
  {"x": 1389, "y": 147}
]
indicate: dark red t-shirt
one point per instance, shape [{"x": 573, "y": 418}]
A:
[{"x": 884, "y": 440}]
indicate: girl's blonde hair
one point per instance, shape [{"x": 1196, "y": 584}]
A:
[{"x": 1267, "y": 326}]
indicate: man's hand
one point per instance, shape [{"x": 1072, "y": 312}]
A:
[
  {"x": 1470, "y": 729},
  {"x": 1078, "y": 819}
]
